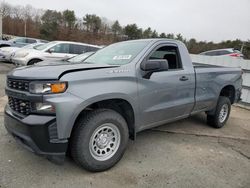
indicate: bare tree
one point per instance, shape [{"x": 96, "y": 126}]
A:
[{"x": 5, "y": 8}]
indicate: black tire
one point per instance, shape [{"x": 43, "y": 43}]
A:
[
  {"x": 4, "y": 45},
  {"x": 84, "y": 131},
  {"x": 33, "y": 61},
  {"x": 214, "y": 120}
]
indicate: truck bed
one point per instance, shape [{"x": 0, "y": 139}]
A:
[
  {"x": 202, "y": 65},
  {"x": 209, "y": 80}
]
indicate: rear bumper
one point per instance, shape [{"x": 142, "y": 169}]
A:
[{"x": 35, "y": 134}]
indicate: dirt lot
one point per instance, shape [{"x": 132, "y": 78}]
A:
[{"x": 186, "y": 153}]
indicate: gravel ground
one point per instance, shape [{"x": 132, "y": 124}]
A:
[{"x": 186, "y": 153}]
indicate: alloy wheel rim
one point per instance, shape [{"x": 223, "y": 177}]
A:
[{"x": 223, "y": 113}]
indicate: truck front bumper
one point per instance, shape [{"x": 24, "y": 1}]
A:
[{"x": 34, "y": 132}]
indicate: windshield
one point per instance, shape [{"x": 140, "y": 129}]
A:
[
  {"x": 80, "y": 58},
  {"x": 44, "y": 46},
  {"x": 117, "y": 54},
  {"x": 18, "y": 39}
]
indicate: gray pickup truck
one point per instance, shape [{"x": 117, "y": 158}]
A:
[{"x": 92, "y": 108}]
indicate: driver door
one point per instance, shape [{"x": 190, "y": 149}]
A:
[{"x": 166, "y": 96}]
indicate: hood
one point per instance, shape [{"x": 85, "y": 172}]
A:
[
  {"x": 28, "y": 50},
  {"x": 54, "y": 71},
  {"x": 53, "y": 63},
  {"x": 5, "y": 42},
  {"x": 9, "y": 49}
]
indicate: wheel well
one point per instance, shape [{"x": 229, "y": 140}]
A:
[
  {"x": 119, "y": 105},
  {"x": 4, "y": 45},
  {"x": 228, "y": 91},
  {"x": 33, "y": 60}
]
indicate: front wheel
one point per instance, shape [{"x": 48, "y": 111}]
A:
[
  {"x": 99, "y": 140},
  {"x": 222, "y": 112}
]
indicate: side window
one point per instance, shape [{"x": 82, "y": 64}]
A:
[
  {"x": 30, "y": 41},
  {"x": 77, "y": 49},
  {"x": 216, "y": 53},
  {"x": 211, "y": 53},
  {"x": 224, "y": 52},
  {"x": 60, "y": 48},
  {"x": 92, "y": 49},
  {"x": 170, "y": 53}
]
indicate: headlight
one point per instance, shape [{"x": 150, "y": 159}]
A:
[
  {"x": 5, "y": 51},
  {"x": 22, "y": 54},
  {"x": 47, "y": 88}
]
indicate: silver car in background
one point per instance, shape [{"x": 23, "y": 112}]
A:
[
  {"x": 20, "y": 42},
  {"x": 56, "y": 50}
]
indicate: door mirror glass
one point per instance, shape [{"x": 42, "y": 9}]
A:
[{"x": 155, "y": 65}]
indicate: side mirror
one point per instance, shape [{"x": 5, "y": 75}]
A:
[
  {"x": 51, "y": 50},
  {"x": 154, "y": 65}
]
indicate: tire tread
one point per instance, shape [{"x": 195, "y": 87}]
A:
[{"x": 81, "y": 128}]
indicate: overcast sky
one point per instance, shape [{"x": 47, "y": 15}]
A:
[{"x": 210, "y": 20}]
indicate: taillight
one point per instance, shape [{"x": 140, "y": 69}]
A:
[{"x": 235, "y": 55}]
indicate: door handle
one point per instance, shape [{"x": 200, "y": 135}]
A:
[{"x": 183, "y": 78}]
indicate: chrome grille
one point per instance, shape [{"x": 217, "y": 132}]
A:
[
  {"x": 18, "y": 84},
  {"x": 19, "y": 105}
]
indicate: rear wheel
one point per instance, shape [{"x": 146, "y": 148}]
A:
[
  {"x": 222, "y": 112},
  {"x": 99, "y": 140}
]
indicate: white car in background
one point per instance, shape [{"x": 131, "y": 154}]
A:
[
  {"x": 7, "y": 52},
  {"x": 224, "y": 52},
  {"x": 56, "y": 50},
  {"x": 76, "y": 59}
]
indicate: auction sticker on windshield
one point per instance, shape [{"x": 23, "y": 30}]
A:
[{"x": 122, "y": 57}]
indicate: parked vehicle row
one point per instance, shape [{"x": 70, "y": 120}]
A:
[
  {"x": 20, "y": 52},
  {"x": 6, "y": 53},
  {"x": 30, "y": 54},
  {"x": 20, "y": 42},
  {"x": 56, "y": 50}
]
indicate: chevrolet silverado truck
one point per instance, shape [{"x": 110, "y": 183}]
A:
[{"x": 90, "y": 109}]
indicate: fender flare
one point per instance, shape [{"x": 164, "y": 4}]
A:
[{"x": 96, "y": 99}]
